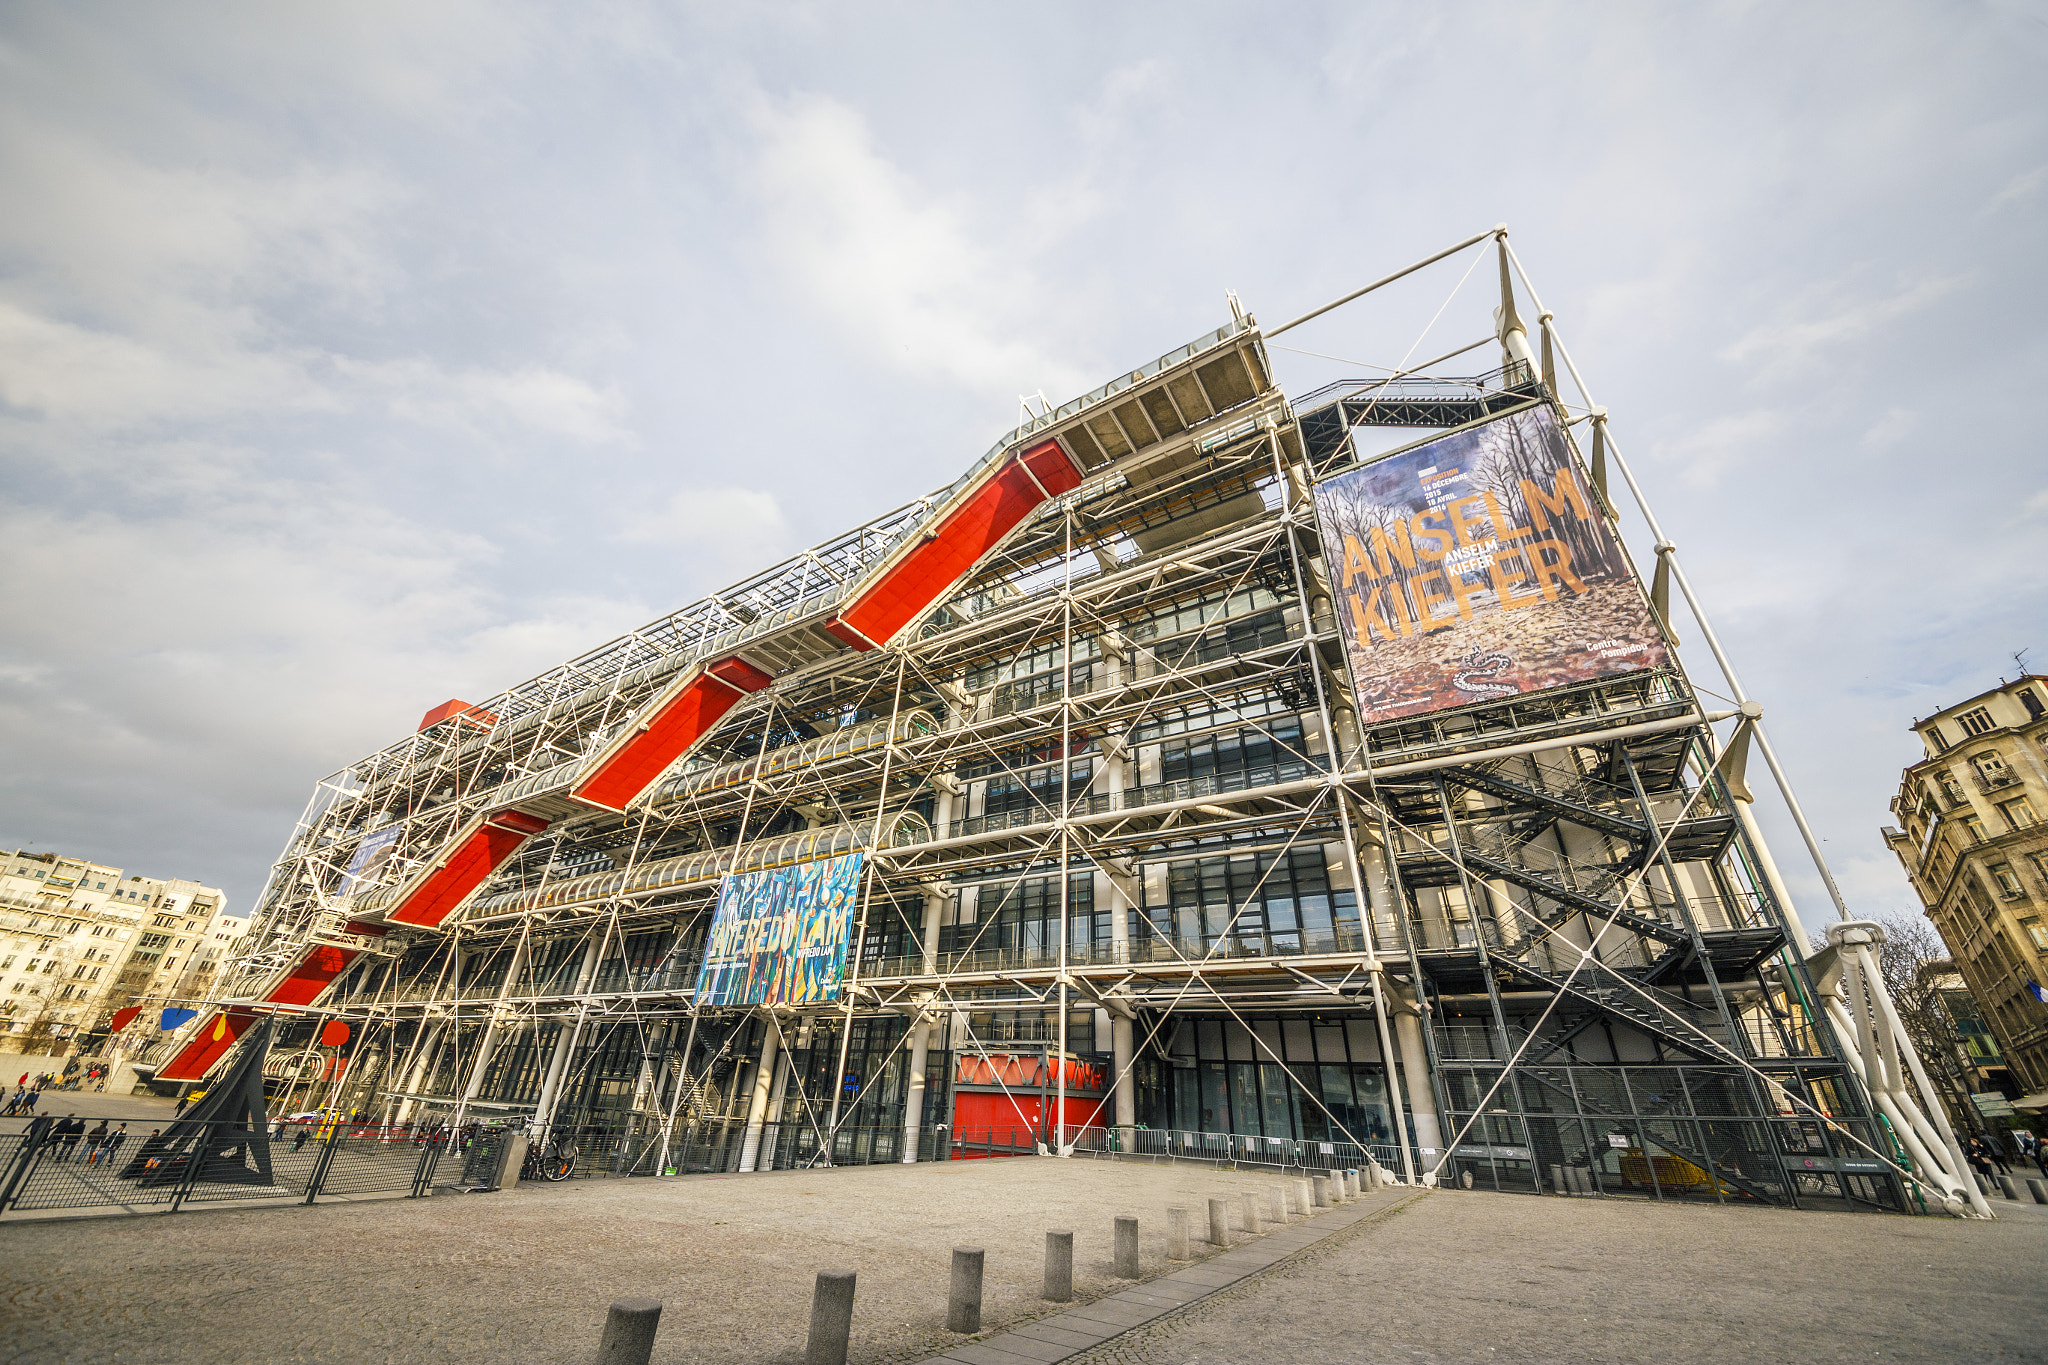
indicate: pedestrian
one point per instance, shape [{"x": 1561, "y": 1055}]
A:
[
  {"x": 300, "y": 1140},
  {"x": 1978, "y": 1151},
  {"x": 1995, "y": 1143},
  {"x": 28, "y": 1103},
  {"x": 114, "y": 1141},
  {"x": 96, "y": 1143},
  {"x": 68, "y": 1133},
  {"x": 13, "y": 1103},
  {"x": 22, "y": 1084}
]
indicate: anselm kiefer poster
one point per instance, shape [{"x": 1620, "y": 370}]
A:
[
  {"x": 779, "y": 936},
  {"x": 1477, "y": 567}
]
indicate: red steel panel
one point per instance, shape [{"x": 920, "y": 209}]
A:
[
  {"x": 309, "y": 979},
  {"x": 306, "y": 981},
  {"x": 910, "y": 587},
  {"x": 198, "y": 1056},
  {"x": 471, "y": 715},
  {"x": 684, "y": 720},
  {"x": 474, "y": 859},
  {"x": 740, "y": 674}
]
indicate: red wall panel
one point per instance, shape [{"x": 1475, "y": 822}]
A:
[
  {"x": 683, "y": 720},
  {"x": 474, "y": 859},
  {"x": 950, "y": 549},
  {"x": 197, "y": 1056}
]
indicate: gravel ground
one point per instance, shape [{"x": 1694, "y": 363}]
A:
[
  {"x": 525, "y": 1275},
  {"x": 1457, "y": 1278}
]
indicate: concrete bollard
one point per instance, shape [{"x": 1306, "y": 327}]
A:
[
  {"x": 1280, "y": 1204},
  {"x": 2011, "y": 1188},
  {"x": 963, "y": 1301},
  {"x": 2039, "y": 1189},
  {"x": 831, "y": 1318},
  {"x": 1177, "y": 1235},
  {"x": 1372, "y": 1178},
  {"x": 1059, "y": 1267},
  {"x": 1304, "y": 1197},
  {"x": 1127, "y": 1248},
  {"x": 1557, "y": 1185},
  {"x": 1321, "y": 1185},
  {"x": 1251, "y": 1213},
  {"x": 629, "y": 1332},
  {"x": 1219, "y": 1223},
  {"x": 1983, "y": 1184}
]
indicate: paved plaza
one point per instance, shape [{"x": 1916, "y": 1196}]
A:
[{"x": 525, "y": 1275}]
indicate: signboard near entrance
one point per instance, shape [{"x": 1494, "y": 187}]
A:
[
  {"x": 780, "y": 935},
  {"x": 1477, "y": 567}
]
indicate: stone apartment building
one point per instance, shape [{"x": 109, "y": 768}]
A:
[
  {"x": 79, "y": 940},
  {"x": 1972, "y": 843}
]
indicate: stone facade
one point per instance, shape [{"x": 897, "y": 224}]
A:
[
  {"x": 79, "y": 940},
  {"x": 1971, "y": 840}
]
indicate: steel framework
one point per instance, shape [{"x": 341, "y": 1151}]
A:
[{"x": 1086, "y": 711}]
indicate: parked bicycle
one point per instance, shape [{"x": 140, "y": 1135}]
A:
[{"x": 549, "y": 1159}]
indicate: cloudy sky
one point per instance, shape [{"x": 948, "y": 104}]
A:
[{"x": 354, "y": 357}]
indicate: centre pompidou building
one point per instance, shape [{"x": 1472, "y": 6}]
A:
[{"x": 1206, "y": 773}]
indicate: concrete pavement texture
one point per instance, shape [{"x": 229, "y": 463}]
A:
[
  {"x": 526, "y": 1275},
  {"x": 1457, "y": 1278}
]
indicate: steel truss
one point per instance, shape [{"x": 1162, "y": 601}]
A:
[{"x": 1117, "y": 803}]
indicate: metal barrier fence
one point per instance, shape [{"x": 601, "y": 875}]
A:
[
  {"x": 220, "y": 1163},
  {"x": 1231, "y": 1149}
]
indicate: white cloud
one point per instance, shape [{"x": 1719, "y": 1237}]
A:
[
  {"x": 736, "y": 529},
  {"x": 2019, "y": 189},
  {"x": 1710, "y": 450},
  {"x": 1789, "y": 346},
  {"x": 1894, "y": 426},
  {"x": 487, "y": 401},
  {"x": 916, "y": 278}
]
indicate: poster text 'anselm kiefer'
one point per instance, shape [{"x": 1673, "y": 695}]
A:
[{"x": 1477, "y": 567}]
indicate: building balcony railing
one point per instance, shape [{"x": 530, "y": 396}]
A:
[
  {"x": 1149, "y": 794},
  {"x": 1155, "y": 949}
]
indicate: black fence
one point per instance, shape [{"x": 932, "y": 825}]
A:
[
  {"x": 163, "y": 1170},
  {"x": 709, "y": 1146}
]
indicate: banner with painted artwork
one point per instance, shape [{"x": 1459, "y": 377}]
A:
[
  {"x": 371, "y": 857},
  {"x": 779, "y": 936},
  {"x": 1477, "y": 567}
]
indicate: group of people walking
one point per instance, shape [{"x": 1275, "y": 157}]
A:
[
  {"x": 1988, "y": 1149},
  {"x": 71, "y": 1140}
]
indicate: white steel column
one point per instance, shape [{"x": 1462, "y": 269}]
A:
[
  {"x": 921, "y": 1031},
  {"x": 757, "y": 1107},
  {"x": 913, "y": 1091},
  {"x": 565, "y": 1042},
  {"x": 1407, "y": 1024},
  {"x": 489, "y": 1042}
]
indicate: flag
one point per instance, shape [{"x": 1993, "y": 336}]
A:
[
  {"x": 171, "y": 1019},
  {"x": 2034, "y": 989}
]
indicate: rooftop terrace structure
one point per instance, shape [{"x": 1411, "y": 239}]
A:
[{"x": 1204, "y": 771}]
